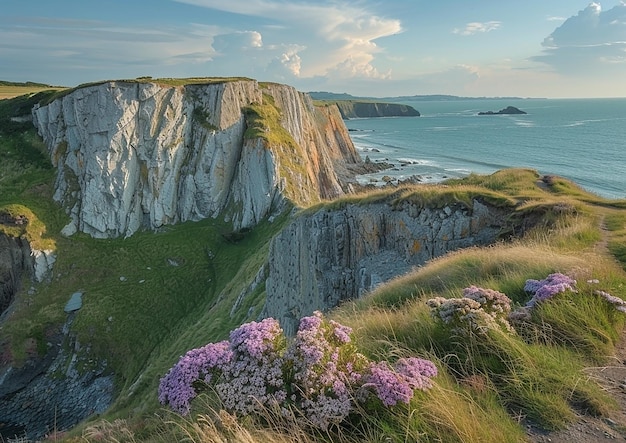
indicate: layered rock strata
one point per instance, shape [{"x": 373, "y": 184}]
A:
[{"x": 324, "y": 258}]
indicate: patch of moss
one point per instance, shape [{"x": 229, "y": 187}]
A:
[{"x": 203, "y": 118}]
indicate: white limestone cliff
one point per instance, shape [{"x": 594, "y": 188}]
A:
[{"x": 134, "y": 155}]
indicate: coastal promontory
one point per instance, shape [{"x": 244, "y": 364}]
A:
[{"x": 366, "y": 109}]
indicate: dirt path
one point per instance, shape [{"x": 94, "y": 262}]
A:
[
  {"x": 587, "y": 429},
  {"x": 612, "y": 378}
]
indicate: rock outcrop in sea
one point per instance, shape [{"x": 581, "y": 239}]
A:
[{"x": 509, "y": 110}]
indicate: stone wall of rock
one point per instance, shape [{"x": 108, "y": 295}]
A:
[
  {"x": 53, "y": 392},
  {"x": 18, "y": 260},
  {"x": 134, "y": 155},
  {"x": 323, "y": 258},
  {"x": 14, "y": 262}
]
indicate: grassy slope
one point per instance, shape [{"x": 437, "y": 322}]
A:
[
  {"x": 12, "y": 89},
  {"x": 178, "y": 286}
]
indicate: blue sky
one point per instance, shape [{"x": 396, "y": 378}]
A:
[{"x": 530, "y": 48}]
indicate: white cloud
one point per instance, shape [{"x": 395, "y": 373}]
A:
[
  {"x": 237, "y": 41},
  {"x": 591, "y": 41},
  {"x": 286, "y": 65},
  {"x": 330, "y": 36},
  {"x": 478, "y": 27}
]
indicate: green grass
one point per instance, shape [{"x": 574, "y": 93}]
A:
[
  {"x": 166, "y": 81},
  {"x": 263, "y": 122},
  {"x": 9, "y": 90}
]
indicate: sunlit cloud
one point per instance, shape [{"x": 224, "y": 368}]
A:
[
  {"x": 331, "y": 38},
  {"x": 591, "y": 41}
]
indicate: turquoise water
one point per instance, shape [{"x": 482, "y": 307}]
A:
[{"x": 581, "y": 139}]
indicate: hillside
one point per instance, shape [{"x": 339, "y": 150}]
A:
[
  {"x": 148, "y": 202},
  {"x": 14, "y": 89}
]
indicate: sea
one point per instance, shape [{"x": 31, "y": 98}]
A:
[{"x": 583, "y": 140}]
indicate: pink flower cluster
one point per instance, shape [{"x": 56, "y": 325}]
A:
[
  {"x": 547, "y": 288},
  {"x": 393, "y": 385},
  {"x": 553, "y": 284},
  {"x": 319, "y": 374},
  {"x": 198, "y": 365},
  {"x": 253, "y": 378},
  {"x": 478, "y": 311}
]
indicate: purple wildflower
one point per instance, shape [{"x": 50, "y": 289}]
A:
[
  {"x": 493, "y": 302},
  {"x": 393, "y": 385},
  {"x": 547, "y": 288},
  {"x": 319, "y": 375},
  {"x": 254, "y": 376},
  {"x": 341, "y": 332},
  {"x": 176, "y": 387},
  {"x": 389, "y": 386}
]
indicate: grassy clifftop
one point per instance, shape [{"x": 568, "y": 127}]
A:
[
  {"x": 363, "y": 109},
  {"x": 151, "y": 297}
]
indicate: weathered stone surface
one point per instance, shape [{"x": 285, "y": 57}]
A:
[
  {"x": 17, "y": 259},
  {"x": 49, "y": 394},
  {"x": 329, "y": 256},
  {"x": 140, "y": 155},
  {"x": 74, "y": 303}
]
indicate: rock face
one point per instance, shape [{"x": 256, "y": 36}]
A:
[
  {"x": 508, "y": 110},
  {"x": 18, "y": 260},
  {"x": 15, "y": 261},
  {"x": 321, "y": 259},
  {"x": 136, "y": 155},
  {"x": 355, "y": 109},
  {"x": 53, "y": 392}
]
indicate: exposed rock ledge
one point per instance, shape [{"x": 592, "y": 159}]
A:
[
  {"x": 323, "y": 258},
  {"x": 17, "y": 260},
  {"x": 136, "y": 155}
]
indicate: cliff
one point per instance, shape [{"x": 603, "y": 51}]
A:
[
  {"x": 133, "y": 155},
  {"x": 357, "y": 109},
  {"x": 331, "y": 255}
]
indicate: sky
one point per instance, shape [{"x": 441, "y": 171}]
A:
[{"x": 375, "y": 48}]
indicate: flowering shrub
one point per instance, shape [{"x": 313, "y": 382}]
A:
[
  {"x": 477, "y": 311},
  {"x": 553, "y": 284},
  {"x": 547, "y": 288},
  {"x": 253, "y": 377},
  {"x": 319, "y": 374},
  {"x": 619, "y": 304},
  {"x": 201, "y": 364},
  {"x": 393, "y": 385},
  {"x": 326, "y": 369}
]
